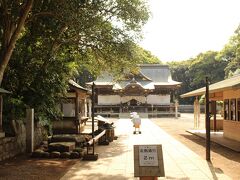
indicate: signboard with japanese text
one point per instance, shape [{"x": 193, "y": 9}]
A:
[
  {"x": 148, "y": 161},
  {"x": 148, "y": 156}
]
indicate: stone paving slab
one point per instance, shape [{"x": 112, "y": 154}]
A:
[{"x": 116, "y": 160}]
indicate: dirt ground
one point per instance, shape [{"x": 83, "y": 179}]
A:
[
  {"x": 224, "y": 160},
  {"x": 25, "y": 168}
]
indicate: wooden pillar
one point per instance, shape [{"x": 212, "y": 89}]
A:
[
  {"x": 85, "y": 107},
  {"x": 77, "y": 115},
  {"x": 146, "y": 108},
  {"x": 89, "y": 108},
  {"x": 30, "y": 130},
  {"x": 2, "y": 134},
  {"x": 214, "y": 112},
  {"x": 176, "y": 109},
  {"x": 93, "y": 102},
  {"x": 207, "y": 119},
  {"x": 196, "y": 113},
  {"x": 1, "y": 109},
  {"x": 121, "y": 107}
]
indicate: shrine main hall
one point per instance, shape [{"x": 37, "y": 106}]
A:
[{"x": 150, "y": 92}]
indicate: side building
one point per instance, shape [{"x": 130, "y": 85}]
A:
[
  {"x": 149, "y": 92},
  {"x": 74, "y": 111},
  {"x": 227, "y": 91}
]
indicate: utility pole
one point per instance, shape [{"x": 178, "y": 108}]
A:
[{"x": 207, "y": 121}]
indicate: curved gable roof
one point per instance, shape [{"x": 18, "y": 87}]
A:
[
  {"x": 152, "y": 74},
  {"x": 76, "y": 85},
  {"x": 157, "y": 73}
]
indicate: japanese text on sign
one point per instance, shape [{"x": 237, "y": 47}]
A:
[{"x": 148, "y": 155}]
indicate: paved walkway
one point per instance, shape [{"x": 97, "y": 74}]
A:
[{"x": 116, "y": 160}]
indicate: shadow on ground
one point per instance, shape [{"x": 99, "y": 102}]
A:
[
  {"x": 226, "y": 152},
  {"x": 24, "y": 167}
]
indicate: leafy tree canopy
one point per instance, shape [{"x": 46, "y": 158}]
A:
[
  {"x": 206, "y": 64},
  {"x": 59, "y": 38},
  {"x": 146, "y": 57},
  {"x": 192, "y": 72},
  {"x": 231, "y": 54}
]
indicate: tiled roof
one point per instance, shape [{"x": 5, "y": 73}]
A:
[
  {"x": 155, "y": 74},
  {"x": 76, "y": 85}
]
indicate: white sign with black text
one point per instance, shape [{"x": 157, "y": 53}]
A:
[{"x": 148, "y": 155}]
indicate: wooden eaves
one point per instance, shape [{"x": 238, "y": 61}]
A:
[{"x": 227, "y": 84}]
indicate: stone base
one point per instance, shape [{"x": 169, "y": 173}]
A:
[
  {"x": 2, "y": 134},
  {"x": 61, "y": 146}
]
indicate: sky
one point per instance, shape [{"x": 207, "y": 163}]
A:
[{"x": 181, "y": 29}]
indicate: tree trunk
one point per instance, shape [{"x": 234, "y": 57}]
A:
[{"x": 7, "y": 50}]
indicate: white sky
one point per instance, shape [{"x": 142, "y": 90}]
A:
[{"x": 181, "y": 29}]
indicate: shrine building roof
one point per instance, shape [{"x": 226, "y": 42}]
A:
[{"x": 149, "y": 76}]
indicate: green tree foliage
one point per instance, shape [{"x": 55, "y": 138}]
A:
[
  {"x": 13, "y": 17},
  {"x": 216, "y": 65},
  {"x": 140, "y": 56},
  {"x": 146, "y": 57},
  {"x": 180, "y": 72},
  {"x": 60, "y": 38},
  {"x": 231, "y": 54},
  {"x": 206, "y": 64},
  {"x": 192, "y": 72}
]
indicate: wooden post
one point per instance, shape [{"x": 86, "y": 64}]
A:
[
  {"x": 176, "y": 109},
  {"x": 77, "y": 116},
  {"x": 89, "y": 108},
  {"x": 92, "y": 156},
  {"x": 93, "y": 99},
  {"x": 1, "y": 108},
  {"x": 196, "y": 113},
  {"x": 2, "y": 134},
  {"x": 214, "y": 111},
  {"x": 152, "y": 110},
  {"x": 85, "y": 107},
  {"x": 30, "y": 130},
  {"x": 207, "y": 119}
]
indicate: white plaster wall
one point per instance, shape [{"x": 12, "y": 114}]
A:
[
  {"x": 141, "y": 99},
  {"x": 158, "y": 99},
  {"x": 108, "y": 100}
]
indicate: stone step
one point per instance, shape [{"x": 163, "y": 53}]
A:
[
  {"x": 127, "y": 115},
  {"x": 76, "y": 138},
  {"x": 61, "y": 146}
]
